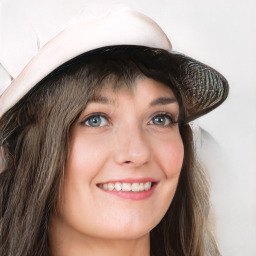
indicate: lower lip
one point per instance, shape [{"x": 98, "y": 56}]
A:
[{"x": 132, "y": 195}]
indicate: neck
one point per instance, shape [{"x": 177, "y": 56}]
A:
[{"x": 64, "y": 243}]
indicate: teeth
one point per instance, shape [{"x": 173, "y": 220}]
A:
[
  {"x": 135, "y": 187},
  {"x": 147, "y": 186},
  {"x": 118, "y": 186},
  {"x": 111, "y": 186},
  {"x": 127, "y": 187}
]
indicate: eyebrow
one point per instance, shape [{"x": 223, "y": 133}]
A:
[
  {"x": 158, "y": 101},
  {"x": 101, "y": 99},
  {"x": 162, "y": 101}
]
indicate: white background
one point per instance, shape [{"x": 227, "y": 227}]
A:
[{"x": 219, "y": 33}]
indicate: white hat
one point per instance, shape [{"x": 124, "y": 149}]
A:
[{"x": 119, "y": 27}]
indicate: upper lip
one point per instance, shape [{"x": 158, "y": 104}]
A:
[{"x": 131, "y": 180}]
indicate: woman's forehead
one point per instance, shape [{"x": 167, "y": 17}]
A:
[{"x": 146, "y": 88}]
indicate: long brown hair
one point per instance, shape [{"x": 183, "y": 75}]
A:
[{"x": 34, "y": 135}]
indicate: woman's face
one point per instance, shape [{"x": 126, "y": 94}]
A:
[{"x": 124, "y": 163}]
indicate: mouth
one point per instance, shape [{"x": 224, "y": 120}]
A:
[{"x": 134, "y": 187}]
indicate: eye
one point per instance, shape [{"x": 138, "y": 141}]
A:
[
  {"x": 162, "y": 120},
  {"x": 96, "y": 121}
]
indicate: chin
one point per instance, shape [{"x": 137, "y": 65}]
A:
[{"x": 130, "y": 230}]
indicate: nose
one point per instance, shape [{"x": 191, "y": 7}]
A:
[{"x": 132, "y": 148}]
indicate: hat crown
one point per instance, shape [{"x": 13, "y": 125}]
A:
[{"x": 121, "y": 26}]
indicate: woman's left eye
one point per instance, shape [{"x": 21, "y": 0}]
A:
[
  {"x": 162, "y": 120},
  {"x": 96, "y": 121}
]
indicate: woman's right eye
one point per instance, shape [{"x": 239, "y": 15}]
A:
[{"x": 96, "y": 121}]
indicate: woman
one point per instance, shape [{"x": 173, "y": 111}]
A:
[{"x": 97, "y": 145}]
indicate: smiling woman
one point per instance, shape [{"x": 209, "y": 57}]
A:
[
  {"x": 127, "y": 154},
  {"x": 99, "y": 151}
]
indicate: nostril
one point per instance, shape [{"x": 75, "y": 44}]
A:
[{"x": 127, "y": 162}]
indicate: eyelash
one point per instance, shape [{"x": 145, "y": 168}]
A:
[
  {"x": 99, "y": 114},
  {"x": 105, "y": 116},
  {"x": 165, "y": 115}
]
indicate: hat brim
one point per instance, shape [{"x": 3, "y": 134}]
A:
[{"x": 202, "y": 87}]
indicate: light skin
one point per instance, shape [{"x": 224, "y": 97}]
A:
[{"x": 120, "y": 135}]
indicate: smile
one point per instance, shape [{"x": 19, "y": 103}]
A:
[{"x": 126, "y": 187}]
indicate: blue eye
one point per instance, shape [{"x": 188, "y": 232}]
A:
[
  {"x": 96, "y": 121},
  {"x": 162, "y": 120}
]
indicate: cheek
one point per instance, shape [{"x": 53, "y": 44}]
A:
[
  {"x": 85, "y": 158},
  {"x": 84, "y": 162},
  {"x": 170, "y": 156}
]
